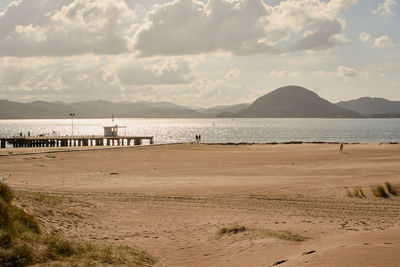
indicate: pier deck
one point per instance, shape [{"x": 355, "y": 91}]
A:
[{"x": 70, "y": 141}]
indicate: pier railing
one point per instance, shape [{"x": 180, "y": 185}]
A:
[{"x": 71, "y": 141}]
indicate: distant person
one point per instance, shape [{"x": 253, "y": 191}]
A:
[
  {"x": 341, "y": 147},
  {"x": 199, "y": 137}
]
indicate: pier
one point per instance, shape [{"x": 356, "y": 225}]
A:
[{"x": 74, "y": 141}]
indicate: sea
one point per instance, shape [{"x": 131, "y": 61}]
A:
[{"x": 221, "y": 130}]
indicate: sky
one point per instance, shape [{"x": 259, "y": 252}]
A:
[{"x": 197, "y": 52}]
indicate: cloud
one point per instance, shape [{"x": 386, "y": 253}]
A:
[
  {"x": 321, "y": 73},
  {"x": 364, "y": 37},
  {"x": 184, "y": 27},
  {"x": 169, "y": 73},
  {"x": 386, "y": 8},
  {"x": 284, "y": 74},
  {"x": 242, "y": 27},
  {"x": 88, "y": 77},
  {"x": 343, "y": 71},
  {"x": 63, "y": 28},
  {"x": 383, "y": 41},
  {"x": 233, "y": 73}
]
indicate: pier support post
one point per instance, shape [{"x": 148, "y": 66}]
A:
[
  {"x": 3, "y": 143},
  {"x": 137, "y": 141},
  {"x": 99, "y": 142},
  {"x": 152, "y": 141}
]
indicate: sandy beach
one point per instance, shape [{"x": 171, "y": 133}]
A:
[{"x": 174, "y": 201}]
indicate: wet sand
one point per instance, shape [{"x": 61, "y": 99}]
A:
[{"x": 172, "y": 200}]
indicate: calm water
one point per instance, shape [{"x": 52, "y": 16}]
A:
[{"x": 221, "y": 130}]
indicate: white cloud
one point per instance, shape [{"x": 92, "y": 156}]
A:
[
  {"x": 383, "y": 41},
  {"x": 284, "y": 74},
  {"x": 321, "y": 73},
  {"x": 233, "y": 73},
  {"x": 62, "y": 28},
  {"x": 242, "y": 27},
  {"x": 89, "y": 77},
  {"x": 386, "y": 7},
  {"x": 364, "y": 37},
  {"x": 169, "y": 73},
  {"x": 177, "y": 27},
  {"x": 343, "y": 71}
]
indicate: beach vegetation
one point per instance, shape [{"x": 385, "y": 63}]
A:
[
  {"x": 283, "y": 235},
  {"x": 391, "y": 190},
  {"x": 22, "y": 243},
  {"x": 262, "y": 233},
  {"x": 379, "y": 191},
  {"x": 357, "y": 192},
  {"x": 231, "y": 230},
  {"x": 6, "y": 193}
]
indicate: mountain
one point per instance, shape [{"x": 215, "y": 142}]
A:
[
  {"x": 33, "y": 110},
  {"x": 294, "y": 102},
  {"x": 93, "y": 109},
  {"x": 213, "y": 111},
  {"x": 371, "y": 106}
]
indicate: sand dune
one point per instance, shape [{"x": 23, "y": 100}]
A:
[{"x": 172, "y": 200}]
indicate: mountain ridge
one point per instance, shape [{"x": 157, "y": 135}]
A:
[
  {"x": 288, "y": 101},
  {"x": 371, "y": 105}
]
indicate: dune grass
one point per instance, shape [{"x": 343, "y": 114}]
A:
[
  {"x": 391, "y": 190},
  {"x": 23, "y": 244},
  {"x": 357, "y": 192},
  {"x": 283, "y": 235},
  {"x": 261, "y": 233},
  {"x": 379, "y": 191},
  {"x": 231, "y": 230}
]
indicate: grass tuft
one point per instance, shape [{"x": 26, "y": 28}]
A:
[
  {"x": 379, "y": 191},
  {"x": 391, "y": 189},
  {"x": 4, "y": 213},
  {"x": 6, "y": 193},
  {"x": 231, "y": 230},
  {"x": 357, "y": 192},
  {"x": 57, "y": 248},
  {"x": 283, "y": 235}
]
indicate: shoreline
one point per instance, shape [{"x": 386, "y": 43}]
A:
[{"x": 9, "y": 152}]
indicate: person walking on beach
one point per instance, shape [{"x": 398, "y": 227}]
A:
[{"x": 341, "y": 147}]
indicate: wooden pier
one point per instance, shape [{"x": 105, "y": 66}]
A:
[{"x": 74, "y": 141}]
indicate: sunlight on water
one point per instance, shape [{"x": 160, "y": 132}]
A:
[{"x": 220, "y": 130}]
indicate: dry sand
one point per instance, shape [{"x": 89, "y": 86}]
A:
[{"x": 172, "y": 200}]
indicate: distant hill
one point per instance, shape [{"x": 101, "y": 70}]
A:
[
  {"x": 213, "y": 111},
  {"x": 372, "y": 106},
  {"x": 93, "y": 109},
  {"x": 104, "y": 109},
  {"x": 294, "y": 102},
  {"x": 33, "y": 110},
  {"x": 284, "y": 102}
]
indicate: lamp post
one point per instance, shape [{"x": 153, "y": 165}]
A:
[{"x": 72, "y": 119}]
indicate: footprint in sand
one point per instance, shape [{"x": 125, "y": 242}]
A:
[
  {"x": 279, "y": 262},
  {"x": 309, "y": 252}
]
